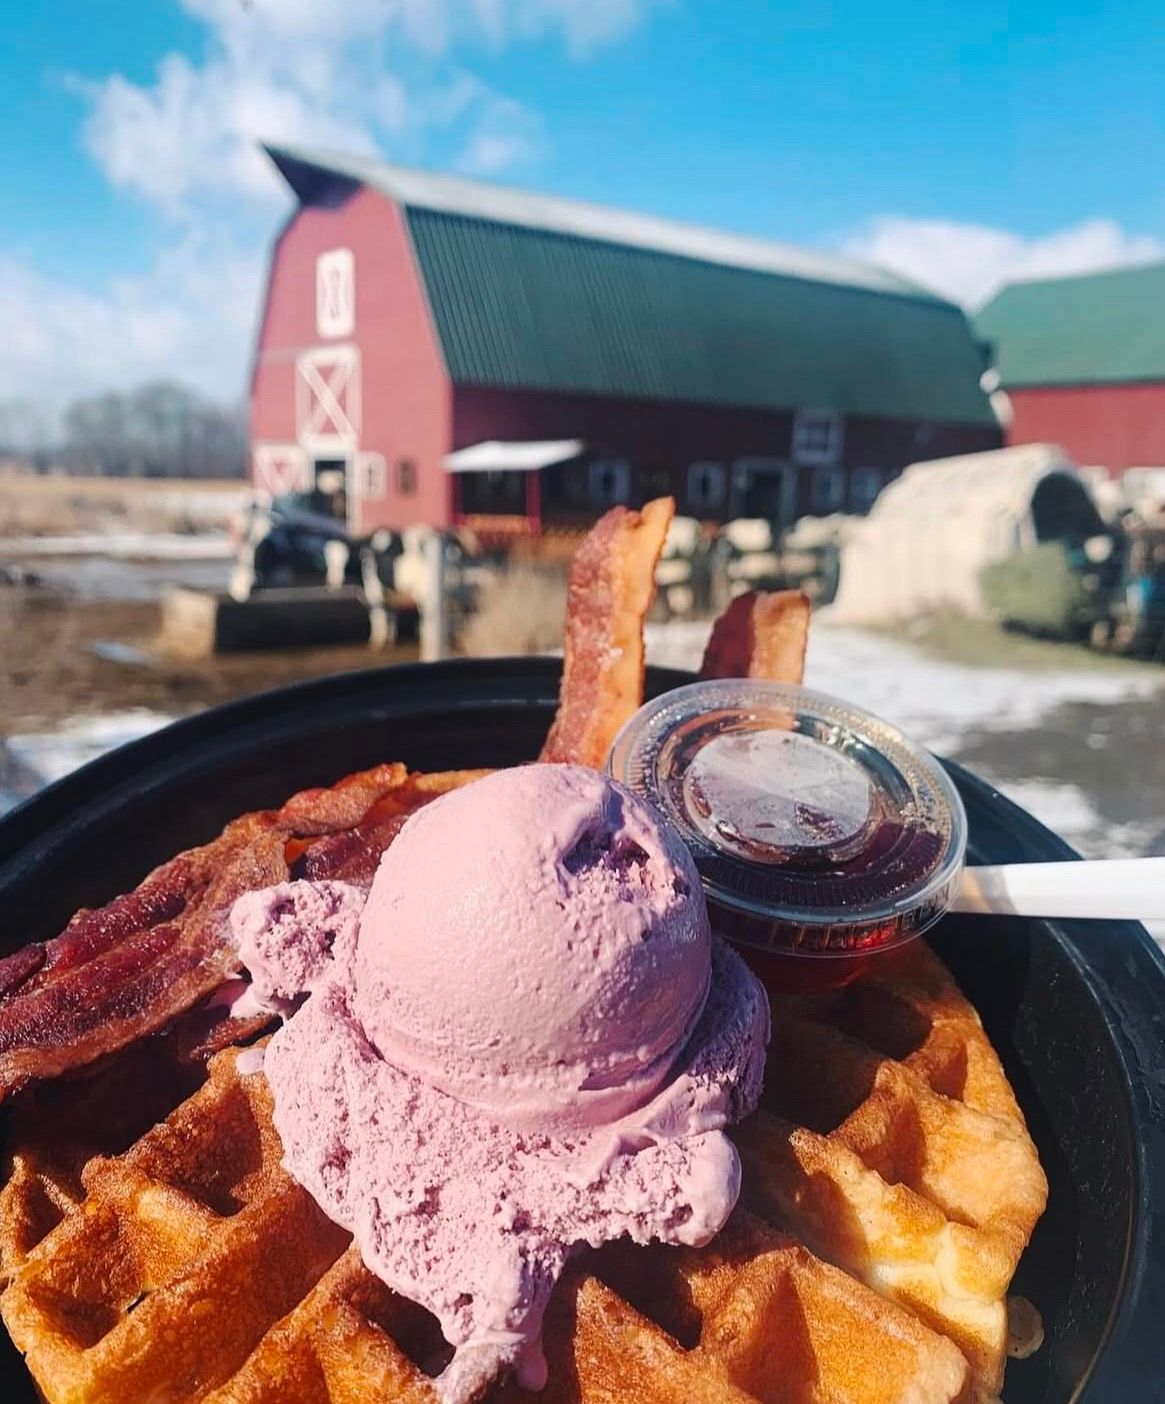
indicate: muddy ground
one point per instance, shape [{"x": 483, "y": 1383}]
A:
[
  {"x": 1113, "y": 753},
  {"x": 52, "y": 669}
]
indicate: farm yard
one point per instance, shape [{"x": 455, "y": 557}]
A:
[
  {"x": 1072, "y": 735},
  {"x": 1063, "y": 731}
]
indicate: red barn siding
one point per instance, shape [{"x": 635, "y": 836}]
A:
[
  {"x": 1113, "y": 426},
  {"x": 639, "y": 429},
  {"x": 662, "y": 440},
  {"x": 406, "y": 406}
]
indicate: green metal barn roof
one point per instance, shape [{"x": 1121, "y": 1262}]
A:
[
  {"x": 1095, "y": 329},
  {"x": 540, "y": 293}
]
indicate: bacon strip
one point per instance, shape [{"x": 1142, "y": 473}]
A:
[
  {"x": 612, "y": 585},
  {"x": 352, "y": 855},
  {"x": 760, "y": 636},
  {"x": 127, "y": 969}
]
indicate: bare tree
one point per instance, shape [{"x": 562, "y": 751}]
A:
[
  {"x": 26, "y": 432},
  {"x": 162, "y": 430}
]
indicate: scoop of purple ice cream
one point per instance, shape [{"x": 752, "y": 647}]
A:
[{"x": 525, "y": 1039}]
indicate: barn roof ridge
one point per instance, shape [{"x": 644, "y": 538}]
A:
[
  {"x": 1097, "y": 328},
  {"x": 476, "y": 199},
  {"x": 1115, "y": 273}
]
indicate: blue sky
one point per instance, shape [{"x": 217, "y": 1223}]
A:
[{"x": 960, "y": 144}]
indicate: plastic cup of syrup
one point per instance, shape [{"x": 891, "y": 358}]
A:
[{"x": 821, "y": 833}]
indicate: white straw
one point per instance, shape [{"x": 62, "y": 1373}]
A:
[{"x": 1117, "y": 888}]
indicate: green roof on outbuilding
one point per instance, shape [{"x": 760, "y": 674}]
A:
[
  {"x": 1099, "y": 328},
  {"x": 540, "y": 293}
]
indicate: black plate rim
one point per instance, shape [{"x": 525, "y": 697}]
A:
[
  {"x": 1137, "y": 1031},
  {"x": 1120, "y": 965}
]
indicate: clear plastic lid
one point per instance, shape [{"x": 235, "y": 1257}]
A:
[{"x": 823, "y": 827}]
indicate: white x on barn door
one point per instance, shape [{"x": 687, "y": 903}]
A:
[
  {"x": 327, "y": 398},
  {"x": 280, "y": 468}
]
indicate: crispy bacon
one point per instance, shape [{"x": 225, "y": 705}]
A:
[
  {"x": 347, "y": 803},
  {"x": 352, "y": 855},
  {"x": 16, "y": 968},
  {"x": 612, "y": 585},
  {"x": 760, "y": 636},
  {"x": 127, "y": 969}
]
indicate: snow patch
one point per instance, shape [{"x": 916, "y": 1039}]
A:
[
  {"x": 936, "y": 702},
  {"x": 941, "y": 703},
  {"x": 51, "y": 755},
  {"x": 126, "y": 545}
]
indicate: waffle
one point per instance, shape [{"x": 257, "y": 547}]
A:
[
  {"x": 891, "y": 1143},
  {"x": 889, "y": 1188},
  {"x": 57, "y": 1129}
]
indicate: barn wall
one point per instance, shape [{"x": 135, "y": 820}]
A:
[
  {"x": 404, "y": 390},
  {"x": 662, "y": 439},
  {"x": 1110, "y": 426}
]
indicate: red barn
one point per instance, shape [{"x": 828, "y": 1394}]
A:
[
  {"x": 1082, "y": 362},
  {"x": 469, "y": 353}
]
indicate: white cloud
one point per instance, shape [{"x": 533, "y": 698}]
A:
[
  {"x": 354, "y": 75},
  {"x": 329, "y": 75},
  {"x": 589, "y": 23},
  {"x": 193, "y": 134},
  {"x": 585, "y": 24},
  {"x": 191, "y": 316},
  {"x": 970, "y": 262}
]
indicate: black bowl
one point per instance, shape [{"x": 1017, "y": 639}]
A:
[{"x": 1076, "y": 1009}]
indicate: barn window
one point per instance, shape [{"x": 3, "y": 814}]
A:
[
  {"x": 764, "y": 487},
  {"x": 817, "y": 437},
  {"x": 706, "y": 486},
  {"x": 501, "y": 493},
  {"x": 371, "y": 478},
  {"x": 610, "y": 481},
  {"x": 406, "y": 477},
  {"x": 828, "y": 489},
  {"x": 656, "y": 482},
  {"x": 864, "y": 487}
]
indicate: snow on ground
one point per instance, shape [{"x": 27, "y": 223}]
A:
[
  {"x": 942, "y": 704},
  {"x": 935, "y": 701},
  {"x": 112, "y": 578},
  {"x": 125, "y": 545},
  {"x": 30, "y": 761}
]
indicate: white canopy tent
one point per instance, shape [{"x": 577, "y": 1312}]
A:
[
  {"x": 497, "y": 456},
  {"x": 931, "y": 531}
]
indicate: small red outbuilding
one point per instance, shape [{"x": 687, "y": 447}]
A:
[
  {"x": 466, "y": 353},
  {"x": 1082, "y": 363}
]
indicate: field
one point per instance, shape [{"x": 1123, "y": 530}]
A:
[{"x": 32, "y": 505}]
